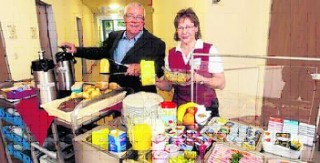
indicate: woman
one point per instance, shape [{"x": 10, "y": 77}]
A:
[{"x": 208, "y": 74}]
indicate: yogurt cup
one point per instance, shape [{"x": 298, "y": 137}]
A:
[
  {"x": 160, "y": 156},
  {"x": 172, "y": 149},
  {"x": 159, "y": 142}
]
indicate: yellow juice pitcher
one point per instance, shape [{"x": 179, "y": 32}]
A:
[{"x": 140, "y": 137}]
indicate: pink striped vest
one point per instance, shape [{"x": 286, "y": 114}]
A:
[{"x": 182, "y": 94}]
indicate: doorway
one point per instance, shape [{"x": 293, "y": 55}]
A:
[
  {"x": 3, "y": 78},
  {"x": 5, "y": 75},
  {"x": 47, "y": 29}
]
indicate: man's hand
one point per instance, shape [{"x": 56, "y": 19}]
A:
[
  {"x": 67, "y": 48},
  {"x": 71, "y": 48},
  {"x": 133, "y": 70}
]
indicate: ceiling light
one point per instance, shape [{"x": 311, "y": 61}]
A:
[{"x": 114, "y": 6}]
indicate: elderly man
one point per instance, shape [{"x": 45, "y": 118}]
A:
[{"x": 128, "y": 47}]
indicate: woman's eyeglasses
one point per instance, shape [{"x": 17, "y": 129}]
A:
[{"x": 180, "y": 28}]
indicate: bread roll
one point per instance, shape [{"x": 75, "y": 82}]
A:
[
  {"x": 102, "y": 85},
  {"x": 113, "y": 85}
]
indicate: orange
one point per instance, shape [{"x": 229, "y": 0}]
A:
[
  {"x": 192, "y": 110},
  {"x": 188, "y": 119}
]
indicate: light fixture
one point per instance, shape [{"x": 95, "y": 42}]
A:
[
  {"x": 215, "y": 1},
  {"x": 114, "y": 6}
]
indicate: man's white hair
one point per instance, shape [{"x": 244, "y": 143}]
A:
[{"x": 134, "y": 4}]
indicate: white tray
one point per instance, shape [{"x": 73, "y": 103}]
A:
[
  {"x": 281, "y": 151},
  {"x": 85, "y": 113}
]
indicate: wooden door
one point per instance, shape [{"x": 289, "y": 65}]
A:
[
  {"x": 42, "y": 16},
  {"x": 295, "y": 32},
  {"x": 5, "y": 74}
]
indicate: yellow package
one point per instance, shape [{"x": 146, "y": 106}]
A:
[
  {"x": 100, "y": 138},
  {"x": 104, "y": 66},
  {"x": 148, "y": 74}
]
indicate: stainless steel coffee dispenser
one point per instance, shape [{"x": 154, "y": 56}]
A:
[
  {"x": 43, "y": 74},
  {"x": 64, "y": 70}
]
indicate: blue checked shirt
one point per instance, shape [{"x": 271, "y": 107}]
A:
[{"x": 124, "y": 46}]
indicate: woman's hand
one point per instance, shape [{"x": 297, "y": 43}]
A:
[
  {"x": 197, "y": 78},
  {"x": 217, "y": 81}
]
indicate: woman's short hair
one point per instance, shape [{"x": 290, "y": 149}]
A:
[{"x": 190, "y": 14}]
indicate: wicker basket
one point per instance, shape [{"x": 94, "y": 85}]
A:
[{"x": 177, "y": 76}]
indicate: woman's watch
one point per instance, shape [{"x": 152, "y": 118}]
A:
[{"x": 202, "y": 81}]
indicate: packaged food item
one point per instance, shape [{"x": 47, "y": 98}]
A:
[
  {"x": 224, "y": 153},
  {"x": 242, "y": 135},
  {"x": 100, "y": 138},
  {"x": 168, "y": 112},
  {"x": 283, "y": 136},
  {"x": 117, "y": 141},
  {"x": 148, "y": 73},
  {"x": 104, "y": 66}
]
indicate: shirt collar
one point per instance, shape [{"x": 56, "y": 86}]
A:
[
  {"x": 198, "y": 45},
  {"x": 124, "y": 36}
]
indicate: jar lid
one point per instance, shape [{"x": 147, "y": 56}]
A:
[
  {"x": 168, "y": 105},
  {"x": 42, "y": 65}
]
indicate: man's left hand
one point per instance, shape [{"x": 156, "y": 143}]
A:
[{"x": 133, "y": 70}]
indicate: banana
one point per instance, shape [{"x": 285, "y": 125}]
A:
[
  {"x": 182, "y": 109},
  {"x": 190, "y": 155}
]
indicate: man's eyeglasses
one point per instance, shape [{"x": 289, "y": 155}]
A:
[
  {"x": 180, "y": 28},
  {"x": 137, "y": 17}
]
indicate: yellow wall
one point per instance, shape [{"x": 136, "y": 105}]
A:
[
  {"x": 234, "y": 26},
  {"x": 163, "y": 16},
  {"x": 21, "y": 15},
  {"x": 238, "y": 27},
  {"x": 17, "y": 17}
]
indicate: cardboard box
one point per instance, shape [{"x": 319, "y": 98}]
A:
[{"x": 86, "y": 152}]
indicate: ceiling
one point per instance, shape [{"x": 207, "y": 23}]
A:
[{"x": 102, "y": 6}]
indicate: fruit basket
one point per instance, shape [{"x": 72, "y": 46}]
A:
[{"x": 177, "y": 76}]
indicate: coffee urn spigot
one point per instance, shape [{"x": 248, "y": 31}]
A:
[{"x": 44, "y": 78}]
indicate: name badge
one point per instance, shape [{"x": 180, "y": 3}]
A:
[{"x": 196, "y": 63}]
